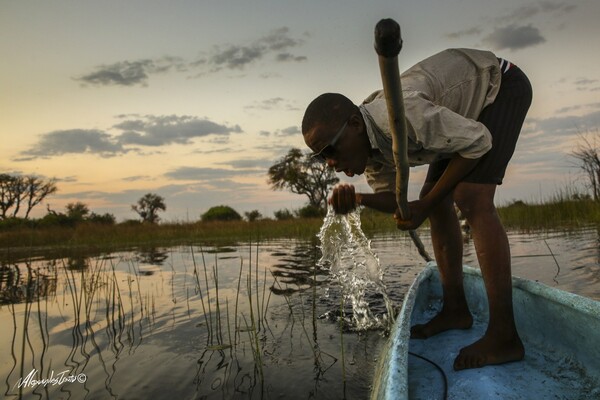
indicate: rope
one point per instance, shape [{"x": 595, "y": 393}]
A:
[{"x": 441, "y": 371}]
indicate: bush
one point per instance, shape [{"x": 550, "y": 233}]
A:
[
  {"x": 103, "y": 219},
  {"x": 253, "y": 215},
  {"x": 310, "y": 212},
  {"x": 130, "y": 222},
  {"x": 221, "y": 213},
  {"x": 57, "y": 219},
  {"x": 283, "y": 214},
  {"x": 14, "y": 223}
]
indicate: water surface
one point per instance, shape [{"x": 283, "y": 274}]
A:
[{"x": 246, "y": 321}]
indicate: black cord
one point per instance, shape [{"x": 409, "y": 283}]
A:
[{"x": 438, "y": 368}]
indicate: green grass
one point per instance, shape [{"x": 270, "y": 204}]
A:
[{"x": 558, "y": 212}]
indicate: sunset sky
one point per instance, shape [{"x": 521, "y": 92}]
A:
[{"x": 194, "y": 100}]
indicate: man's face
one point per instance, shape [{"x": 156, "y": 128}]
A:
[{"x": 345, "y": 149}]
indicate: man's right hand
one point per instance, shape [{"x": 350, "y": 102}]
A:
[{"x": 343, "y": 198}]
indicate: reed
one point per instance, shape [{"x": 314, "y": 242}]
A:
[
  {"x": 252, "y": 319},
  {"x": 558, "y": 212},
  {"x": 126, "y": 236}
]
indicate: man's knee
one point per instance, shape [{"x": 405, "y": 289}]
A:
[{"x": 473, "y": 199}]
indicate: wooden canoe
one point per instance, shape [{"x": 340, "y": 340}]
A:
[{"x": 560, "y": 331}]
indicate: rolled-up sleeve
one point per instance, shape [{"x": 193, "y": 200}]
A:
[
  {"x": 438, "y": 129},
  {"x": 381, "y": 177}
]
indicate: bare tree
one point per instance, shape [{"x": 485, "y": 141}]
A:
[
  {"x": 7, "y": 194},
  {"x": 587, "y": 154},
  {"x": 15, "y": 189},
  {"x": 36, "y": 190},
  {"x": 20, "y": 188}
]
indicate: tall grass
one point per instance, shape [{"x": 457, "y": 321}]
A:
[{"x": 559, "y": 211}]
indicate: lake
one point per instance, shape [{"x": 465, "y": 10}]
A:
[{"x": 248, "y": 321}]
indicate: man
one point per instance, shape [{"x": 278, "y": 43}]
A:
[{"x": 464, "y": 110}]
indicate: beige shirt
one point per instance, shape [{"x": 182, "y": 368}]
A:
[{"x": 443, "y": 97}]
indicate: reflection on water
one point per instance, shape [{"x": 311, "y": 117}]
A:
[{"x": 238, "y": 322}]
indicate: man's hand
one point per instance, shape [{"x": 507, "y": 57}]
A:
[
  {"x": 343, "y": 198},
  {"x": 419, "y": 211}
]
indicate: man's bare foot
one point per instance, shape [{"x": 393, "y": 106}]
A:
[
  {"x": 489, "y": 350},
  {"x": 444, "y": 321}
]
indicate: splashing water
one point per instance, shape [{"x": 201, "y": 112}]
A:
[{"x": 347, "y": 253}]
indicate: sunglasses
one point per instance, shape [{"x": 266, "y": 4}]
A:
[{"x": 329, "y": 149}]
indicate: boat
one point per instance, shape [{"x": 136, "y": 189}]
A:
[{"x": 560, "y": 332}]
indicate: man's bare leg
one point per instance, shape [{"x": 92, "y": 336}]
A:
[
  {"x": 501, "y": 342},
  {"x": 447, "y": 245}
]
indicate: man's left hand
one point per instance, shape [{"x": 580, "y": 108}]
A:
[{"x": 418, "y": 214}]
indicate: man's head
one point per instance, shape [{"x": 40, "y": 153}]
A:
[{"x": 334, "y": 129}]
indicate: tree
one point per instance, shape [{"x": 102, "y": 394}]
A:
[
  {"x": 302, "y": 174},
  {"x": 15, "y": 190},
  {"x": 587, "y": 155},
  {"x": 77, "y": 211},
  {"x": 309, "y": 211},
  {"x": 221, "y": 213},
  {"x": 253, "y": 215},
  {"x": 37, "y": 189},
  {"x": 7, "y": 194},
  {"x": 283, "y": 214},
  {"x": 148, "y": 206}
]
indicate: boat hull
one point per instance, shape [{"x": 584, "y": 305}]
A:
[{"x": 560, "y": 331}]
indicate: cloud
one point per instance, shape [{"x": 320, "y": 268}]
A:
[
  {"x": 274, "y": 103},
  {"x": 585, "y": 84},
  {"x": 508, "y": 30},
  {"x": 149, "y": 130},
  {"x": 465, "y": 32},
  {"x": 568, "y": 125},
  {"x": 282, "y": 57},
  {"x": 207, "y": 174},
  {"x": 289, "y": 131},
  {"x": 164, "y": 130},
  {"x": 514, "y": 37},
  {"x": 578, "y": 107},
  {"x": 285, "y": 132},
  {"x": 277, "y": 43},
  {"x": 137, "y": 178},
  {"x": 528, "y": 11},
  {"x": 249, "y": 163},
  {"x": 131, "y": 73},
  {"x": 74, "y": 141}
]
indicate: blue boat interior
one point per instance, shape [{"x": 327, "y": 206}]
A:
[{"x": 560, "y": 331}]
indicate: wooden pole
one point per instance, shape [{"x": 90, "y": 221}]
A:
[{"x": 388, "y": 43}]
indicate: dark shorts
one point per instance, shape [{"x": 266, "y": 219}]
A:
[{"x": 504, "y": 119}]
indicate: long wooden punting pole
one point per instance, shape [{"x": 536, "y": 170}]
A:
[{"x": 388, "y": 44}]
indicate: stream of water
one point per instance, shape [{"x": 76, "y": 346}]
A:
[{"x": 347, "y": 253}]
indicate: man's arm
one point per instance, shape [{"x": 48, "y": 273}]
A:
[
  {"x": 457, "y": 169},
  {"x": 344, "y": 199},
  {"x": 382, "y": 201}
]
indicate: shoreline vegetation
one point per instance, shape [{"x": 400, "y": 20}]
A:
[{"x": 21, "y": 239}]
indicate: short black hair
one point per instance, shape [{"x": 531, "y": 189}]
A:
[{"x": 329, "y": 109}]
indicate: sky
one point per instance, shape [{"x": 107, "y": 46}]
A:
[{"x": 195, "y": 100}]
